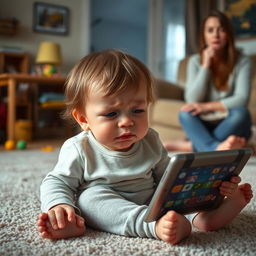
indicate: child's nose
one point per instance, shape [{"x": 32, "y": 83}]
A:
[{"x": 125, "y": 121}]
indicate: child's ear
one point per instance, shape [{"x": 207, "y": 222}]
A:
[{"x": 81, "y": 119}]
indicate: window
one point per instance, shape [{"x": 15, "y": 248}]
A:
[{"x": 174, "y": 35}]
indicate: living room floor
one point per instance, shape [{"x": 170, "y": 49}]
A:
[{"x": 46, "y": 144}]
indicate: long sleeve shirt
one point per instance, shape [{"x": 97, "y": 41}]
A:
[
  {"x": 200, "y": 87},
  {"x": 83, "y": 162}
]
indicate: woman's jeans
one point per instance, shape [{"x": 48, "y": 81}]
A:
[{"x": 206, "y": 136}]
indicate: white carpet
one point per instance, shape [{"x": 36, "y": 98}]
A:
[{"x": 20, "y": 175}]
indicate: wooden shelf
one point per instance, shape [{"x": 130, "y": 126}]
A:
[
  {"x": 11, "y": 62},
  {"x": 11, "y": 81},
  {"x": 9, "y": 26},
  {"x": 51, "y": 107}
]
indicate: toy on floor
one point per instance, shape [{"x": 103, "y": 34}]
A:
[
  {"x": 21, "y": 144},
  {"x": 47, "y": 148},
  {"x": 9, "y": 145}
]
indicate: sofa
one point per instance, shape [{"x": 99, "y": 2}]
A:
[{"x": 169, "y": 99}]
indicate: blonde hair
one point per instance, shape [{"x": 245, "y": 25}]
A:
[
  {"x": 222, "y": 71},
  {"x": 109, "y": 71}
]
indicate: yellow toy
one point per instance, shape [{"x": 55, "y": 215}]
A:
[
  {"x": 49, "y": 70},
  {"x": 47, "y": 149},
  {"x": 9, "y": 145}
]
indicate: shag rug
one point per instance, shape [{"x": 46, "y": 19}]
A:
[{"x": 20, "y": 175}]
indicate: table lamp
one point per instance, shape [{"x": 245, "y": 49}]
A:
[{"x": 48, "y": 58}]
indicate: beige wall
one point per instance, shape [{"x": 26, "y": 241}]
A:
[{"x": 74, "y": 45}]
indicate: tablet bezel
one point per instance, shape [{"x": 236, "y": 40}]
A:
[{"x": 198, "y": 159}]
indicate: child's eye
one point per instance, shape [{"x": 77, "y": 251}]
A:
[
  {"x": 137, "y": 111},
  {"x": 110, "y": 114}
]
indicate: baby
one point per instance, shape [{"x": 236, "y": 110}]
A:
[{"x": 106, "y": 175}]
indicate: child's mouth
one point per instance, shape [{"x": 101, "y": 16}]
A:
[{"x": 125, "y": 137}]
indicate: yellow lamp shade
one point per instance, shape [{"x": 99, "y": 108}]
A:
[{"x": 49, "y": 53}]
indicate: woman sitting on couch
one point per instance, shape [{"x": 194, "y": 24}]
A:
[{"x": 216, "y": 116}]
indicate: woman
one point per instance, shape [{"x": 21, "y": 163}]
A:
[{"x": 215, "y": 116}]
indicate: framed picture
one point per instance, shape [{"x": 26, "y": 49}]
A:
[
  {"x": 49, "y": 18},
  {"x": 242, "y": 16}
]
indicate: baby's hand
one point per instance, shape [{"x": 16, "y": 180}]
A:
[
  {"x": 228, "y": 188},
  {"x": 59, "y": 213}
]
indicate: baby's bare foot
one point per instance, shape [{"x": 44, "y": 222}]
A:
[
  {"x": 232, "y": 142},
  {"x": 247, "y": 192},
  {"x": 172, "y": 227},
  {"x": 71, "y": 229},
  {"x": 226, "y": 212},
  {"x": 241, "y": 197}
]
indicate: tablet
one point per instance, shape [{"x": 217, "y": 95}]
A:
[{"x": 191, "y": 181}]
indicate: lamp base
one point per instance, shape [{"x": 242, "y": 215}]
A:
[{"x": 47, "y": 70}]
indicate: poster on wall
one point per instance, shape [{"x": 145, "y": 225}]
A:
[
  {"x": 49, "y": 18},
  {"x": 242, "y": 14}
]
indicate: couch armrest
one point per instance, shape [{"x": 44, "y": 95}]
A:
[
  {"x": 252, "y": 102},
  {"x": 165, "y": 112},
  {"x": 168, "y": 90}
]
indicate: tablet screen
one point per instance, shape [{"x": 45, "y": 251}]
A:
[
  {"x": 191, "y": 181},
  {"x": 197, "y": 187}
]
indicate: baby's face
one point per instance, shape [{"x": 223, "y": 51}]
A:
[{"x": 117, "y": 122}]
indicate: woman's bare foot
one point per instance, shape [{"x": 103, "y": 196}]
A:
[
  {"x": 178, "y": 145},
  {"x": 71, "y": 229},
  {"x": 172, "y": 227},
  {"x": 232, "y": 142}
]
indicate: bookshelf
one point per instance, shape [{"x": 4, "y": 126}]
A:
[
  {"x": 11, "y": 81},
  {"x": 14, "y": 62}
]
